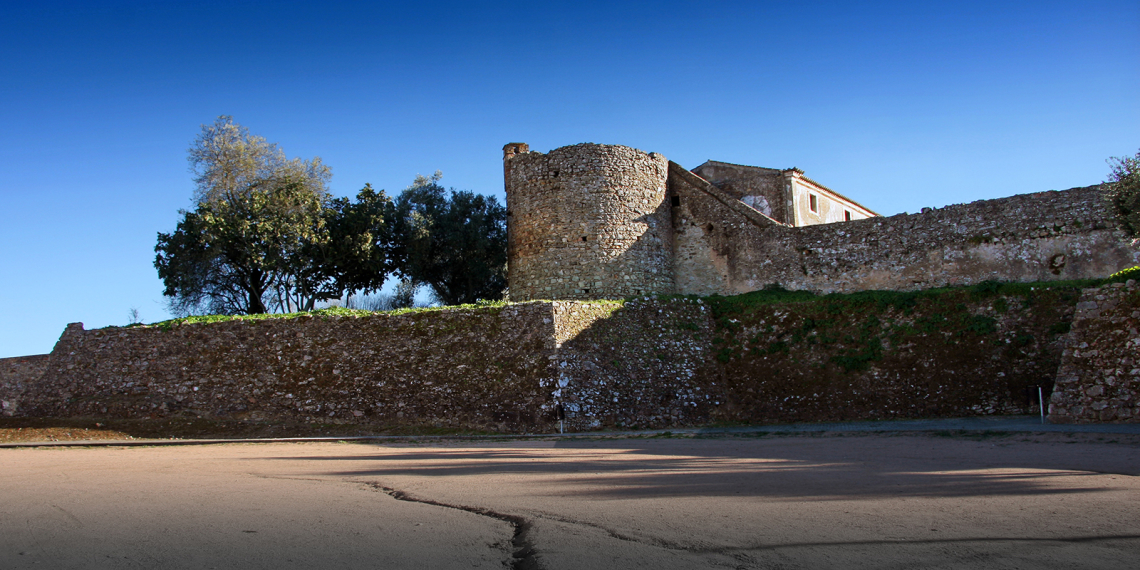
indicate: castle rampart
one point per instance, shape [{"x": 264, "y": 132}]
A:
[
  {"x": 646, "y": 361},
  {"x": 1046, "y": 236},
  {"x": 606, "y": 221},
  {"x": 587, "y": 221}
]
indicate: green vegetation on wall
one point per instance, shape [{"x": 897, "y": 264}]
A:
[{"x": 796, "y": 356}]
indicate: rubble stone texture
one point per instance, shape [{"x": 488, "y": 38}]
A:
[
  {"x": 1099, "y": 376},
  {"x": 696, "y": 238},
  {"x": 16, "y": 374},
  {"x": 465, "y": 368},
  {"x": 587, "y": 221},
  {"x": 643, "y": 362}
]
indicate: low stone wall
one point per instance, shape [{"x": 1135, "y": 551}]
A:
[
  {"x": 480, "y": 368},
  {"x": 16, "y": 374},
  {"x": 646, "y": 362},
  {"x": 1099, "y": 376}
]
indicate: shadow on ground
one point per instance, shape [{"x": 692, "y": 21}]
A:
[{"x": 799, "y": 467}]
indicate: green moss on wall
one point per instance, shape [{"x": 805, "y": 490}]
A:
[{"x": 793, "y": 356}]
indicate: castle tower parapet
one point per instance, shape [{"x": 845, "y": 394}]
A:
[{"x": 587, "y": 221}]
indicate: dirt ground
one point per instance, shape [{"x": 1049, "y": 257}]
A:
[
  {"x": 20, "y": 429},
  {"x": 939, "y": 500}
]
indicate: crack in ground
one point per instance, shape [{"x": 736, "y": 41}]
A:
[
  {"x": 726, "y": 550},
  {"x": 741, "y": 560},
  {"x": 525, "y": 556},
  {"x": 647, "y": 540},
  {"x": 740, "y": 553}
]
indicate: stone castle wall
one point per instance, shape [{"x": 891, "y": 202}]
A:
[
  {"x": 1032, "y": 237},
  {"x": 644, "y": 362},
  {"x": 16, "y": 374},
  {"x": 1099, "y": 376},
  {"x": 482, "y": 368},
  {"x": 606, "y": 221},
  {"x": 765, "y": 185},
  {"x": 587, "y": 221}
]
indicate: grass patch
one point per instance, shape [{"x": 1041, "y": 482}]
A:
[
  {"x": 1124, "y": 275},
  {"x": 330, "y": 312}
]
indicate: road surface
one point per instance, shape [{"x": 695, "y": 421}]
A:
[{"x": 801, "y": 501}]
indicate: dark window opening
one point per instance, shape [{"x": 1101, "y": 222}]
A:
[
  {"x": 676, "y": 201},
  {"x": 555, "y": 174},
  {"x": 813, "y": 203},
  {"x": 586, "y": 291},
  {"x": 846, "y": 216},
  {"x": 583, "y": 238},
  {"x": 709, "y": 228}
]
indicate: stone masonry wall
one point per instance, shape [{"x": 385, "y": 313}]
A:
[
  {"x": 1056, "y": 235},
  {"x": 883, "y": 355},
  {"x": 1032, "y": 237},
  {"x": 644, "y": 362},
  {"x": 766, "y": 185},
  {"x": 638, "y": 363},
  {"x": 16, "y": 374},
  {"x": 480, "y": 368},
  {"x": 712, "y": 232},
  {"x": 587, "y": 221},
  {"x": 1099, "y": 376}
]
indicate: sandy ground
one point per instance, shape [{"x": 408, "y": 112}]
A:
[{"x": 825, "y": 501}]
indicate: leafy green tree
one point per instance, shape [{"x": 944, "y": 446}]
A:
[
  {"x": 1124, "y": 191},
  {"x": 237, "y": 256},
  {"x": 358, "y": 254},
  {"x": 454, "y": 242},
  {"x": 265, "y": 234}
]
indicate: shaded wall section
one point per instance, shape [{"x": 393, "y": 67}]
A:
[
  {"x": 762, "y": 188},
  {"x": 16, "y": 374},
  {"x": 884, "y": 355},
  {"x": 1099, "y": 375}
]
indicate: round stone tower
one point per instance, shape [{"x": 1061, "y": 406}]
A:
[{"x": 587, "y": 221}]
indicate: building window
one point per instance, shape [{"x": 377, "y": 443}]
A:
[
  {"x": 813, "y": 203},
  {"x": 846, "y": 215}
]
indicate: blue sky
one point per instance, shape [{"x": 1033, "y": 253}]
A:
[{"x": 900, "y": 105}]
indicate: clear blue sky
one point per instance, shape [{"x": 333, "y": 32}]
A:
[{"x": 898, "y": 104}]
